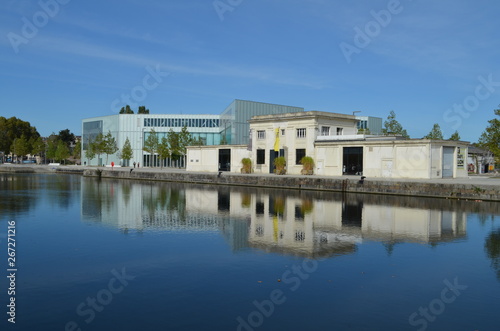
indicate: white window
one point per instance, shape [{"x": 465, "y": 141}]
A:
[
  {"x": 282, "y": 132},
  {"x": 261, "y": 134},
  {"x": 325, "y": 130},
  {"x": 301, "y": 133},
  {"x": 340, "y": 131}
]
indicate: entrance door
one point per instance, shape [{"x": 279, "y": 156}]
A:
[
  {"x": 224, "y": 160},
  {"x": 448, "y": 153},
  {"x": 353, "y": 161},
  {"x": 272, "y": 155}
]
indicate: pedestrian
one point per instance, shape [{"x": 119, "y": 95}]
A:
[{"x": 134, "y": 164}]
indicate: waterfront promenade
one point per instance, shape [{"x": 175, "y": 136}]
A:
[{"x": 474, "y": 187}]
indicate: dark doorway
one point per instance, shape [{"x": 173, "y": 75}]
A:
[
  {"x": 353, "y": 161},
  {"x": 272, "y": 155},
  {"x": 224, "y": 160}
]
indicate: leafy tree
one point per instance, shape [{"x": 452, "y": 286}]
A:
[
  {"x": 435, "y": 133},
  {"x": 37, "y": 146},
  {"x": 62, "y": 151},
  {"x": 98, "y": 146},
  {"x": 151, "y": 144},
  {"x": 13, "y": 128},
  {"x": 109, "y": 145},
  {"x": 77, "y": 151},
  {"x": 89, "y": 152},
  {"x": 174, "y": 143},
  {"x": 126, "y": 110},
  {"x": 126, "y": 153},
  {"x": 142, "y": 110},
  {"x": 393, "y": 127},
  {"x": 163, "y": 150},
  {"x": 20, "y": 147},
  {"x": 455, "y": 136},
  {"x": 50, "y": 152},
  {"x": 66, "y": 137},
  {"x": 490, "y": 138}
]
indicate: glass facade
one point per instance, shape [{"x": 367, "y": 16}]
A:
[{"x": 182, "y": 122}]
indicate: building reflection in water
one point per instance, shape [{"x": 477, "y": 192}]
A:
[{"x": 308, "y": 224}]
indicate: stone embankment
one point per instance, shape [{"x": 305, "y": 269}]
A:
[{"x": 475, "y": 190}]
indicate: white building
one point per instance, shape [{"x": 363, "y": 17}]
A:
[{"x": 331, "y": 140}]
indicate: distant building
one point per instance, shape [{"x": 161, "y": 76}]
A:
[
  {"x": 369, "y": 125},
  {"x": 230, "y": 127}
]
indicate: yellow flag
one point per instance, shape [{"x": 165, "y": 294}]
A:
[{"x": 277, "y": 140}]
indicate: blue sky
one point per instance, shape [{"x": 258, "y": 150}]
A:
[{"x": 429, "y": 61}]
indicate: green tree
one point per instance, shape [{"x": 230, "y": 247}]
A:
[
  {"x": 151, "y": 145},
  {"x": 126, "y": 110},
  {"x": 98, "y": 146},
  {"x": 490, "y": 138},
  {"x": 77, "y": 151},
  {"x": 37, "y": 146},
  {"x": 435, "y": 133},
  {"x": 109, "y": 145},
  {"x": 174, "y": 143},
  {"x": 20, "y": 147},
  {"x": 66, "y": 137},
  {"x": 62, "y": 151},
  {"x": 50, "y": 152},
  {"x": 393, "y": 127},
  {"x": 455, "y": 136},
  {"x": 89, "y": 152},
  {"x": 126, "y": 153},
  {"x": 163, "y": 150},
  {"x": 142, "y": 110},
  {"x": 12, "y": 128}
]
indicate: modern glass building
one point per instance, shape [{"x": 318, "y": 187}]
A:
[
  {"x": 235, "y": 128},
  {"x": 231, "y": 127},
  {"x": 136, "y": 127},
  {"x": 372, "y": 124}
]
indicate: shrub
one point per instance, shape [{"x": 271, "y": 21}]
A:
[
  {"x": 307, "y": 165},
  {"x": 280, "y": 164},
  {"x": 247, "y": 165}
]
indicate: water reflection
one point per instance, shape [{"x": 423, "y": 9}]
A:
[
  {"x": 20, "y": 193},
  {"x": 309, "y": 224}
]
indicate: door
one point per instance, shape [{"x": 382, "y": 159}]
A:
[
  {"x": 224, "y": 160},
  {"x": 353, "y": 161},
  {"x": 448, "y": 153}
]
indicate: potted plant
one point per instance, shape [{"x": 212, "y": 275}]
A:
[
  {"x": 307, "y": 165},
  {"x": 280, "y": 164},
  {"x": 247, "y": 166}
]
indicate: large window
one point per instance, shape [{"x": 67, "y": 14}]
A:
[
  {"x": 261, "y": 156},
  {"x": 299, "y": 154},
  {"x": 325, "y": 130},
  {"x": 301, "y": 133},
  {"x": 340, "y": 131},
  {"x": 261, "y": 134}
]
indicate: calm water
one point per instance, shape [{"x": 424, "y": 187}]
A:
[{"x": 118, "y": 255}]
